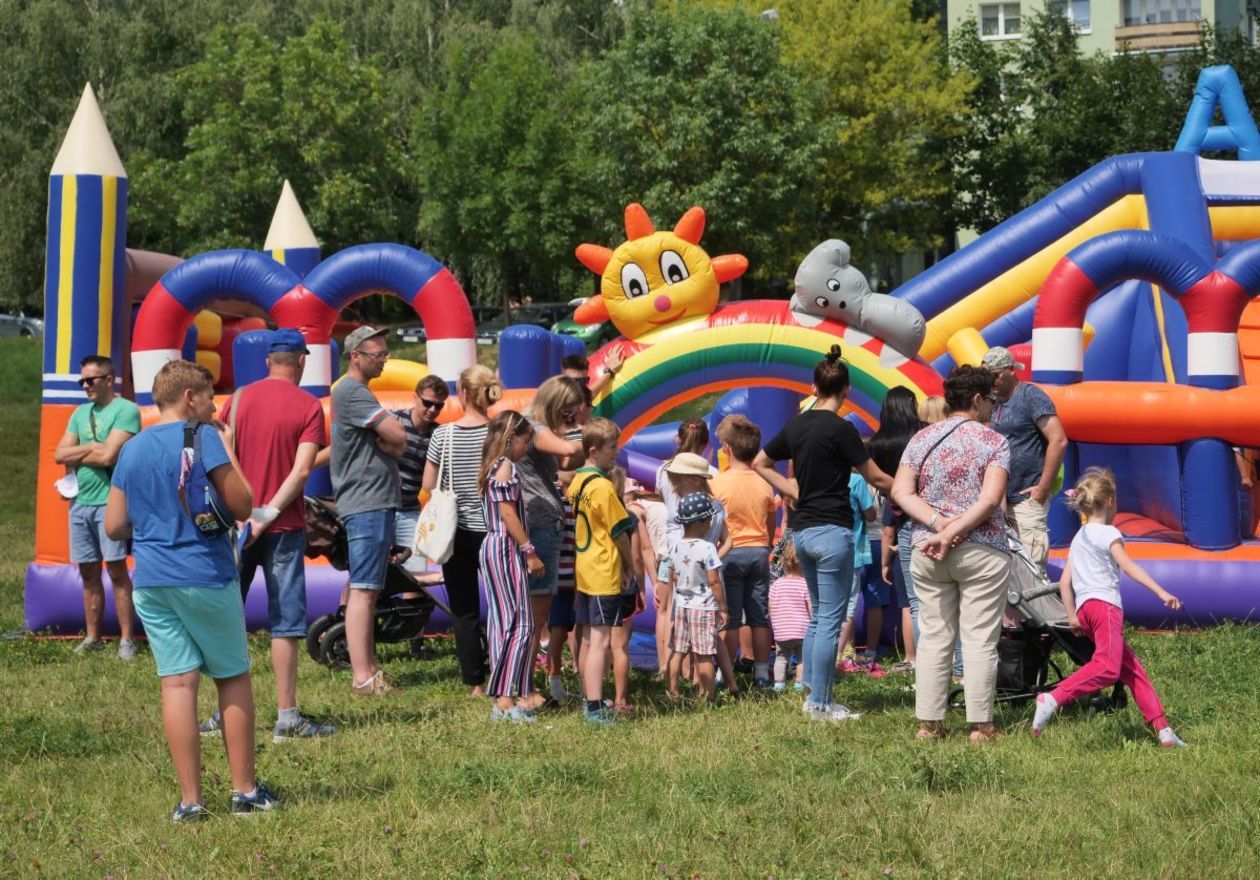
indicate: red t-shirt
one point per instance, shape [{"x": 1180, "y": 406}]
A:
[{"x": 275, "y": 417}]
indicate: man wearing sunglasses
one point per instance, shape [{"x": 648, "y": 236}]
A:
[
  {"x": 94, "y": 437},
  {"x": 418, "y": 421}
]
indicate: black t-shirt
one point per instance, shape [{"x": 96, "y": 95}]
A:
[{"x": 824, "y": 449}]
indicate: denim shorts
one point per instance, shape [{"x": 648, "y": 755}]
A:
[
  {"x": 193, "y": 628},
  {"x": 88, "y": 541},
  {"x": 281, "y": 556},
  {"x": 875, "y": 592},
  {"x": 746, "y": 578},
  {"x": 604, "y": 610},
  {"x": 405, "y": 535},
  {"x": 563, "y": 614},
  {"x": 369, "y": 538},
  {"x": 547, "y": 545}
]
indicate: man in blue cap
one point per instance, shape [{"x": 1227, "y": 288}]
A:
[{"x": 279, "y": 429}]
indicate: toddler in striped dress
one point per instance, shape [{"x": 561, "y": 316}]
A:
[
  {"x": 789, "y": 618},
  {"x": 507, "y": 559}
]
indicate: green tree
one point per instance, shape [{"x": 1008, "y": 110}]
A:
[
  {"x": 258, "y": 112},
  {"x": 697, "y": 107}
]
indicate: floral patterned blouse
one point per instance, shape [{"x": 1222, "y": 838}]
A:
[{"x": 951, "y": 478}]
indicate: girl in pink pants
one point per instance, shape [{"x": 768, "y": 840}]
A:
[{"x": 1090, "y": 589}]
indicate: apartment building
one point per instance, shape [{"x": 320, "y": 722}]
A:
[{"x": 1157, "y": 26}]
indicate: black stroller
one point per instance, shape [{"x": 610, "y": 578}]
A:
[
  {"x": 398, "y": 619},
  {"x": 1034, "y": 627}
]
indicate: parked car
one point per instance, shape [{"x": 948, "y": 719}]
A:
[
  {"x": 21, "y": 325},
  {"x": 594, "y": 336},
  {"x": 539, "y": 314},
  {"x": 416, "y": 332}
]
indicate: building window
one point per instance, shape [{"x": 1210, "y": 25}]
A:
[
  {"x": 999, "y": 20},
  {"x": 1137, "y": 12},
  {"x": 1077, "y": 12}
]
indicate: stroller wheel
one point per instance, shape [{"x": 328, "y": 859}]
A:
[
  {"x": 333, "y": 650},
  {"x": 421, "y": 650},
  {"x": 315, "y": 635}
]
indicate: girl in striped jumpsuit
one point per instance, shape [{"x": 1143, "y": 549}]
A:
[{"x": 507, "y": 557}]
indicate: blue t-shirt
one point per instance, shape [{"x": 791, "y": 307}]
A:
[
  {"x": 169, "y": 549},
  {"x": 1016, "y": 420},
  {"x": 860, "y": 500}
]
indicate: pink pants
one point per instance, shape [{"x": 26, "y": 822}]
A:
[{"x": 1113, "y": 661}]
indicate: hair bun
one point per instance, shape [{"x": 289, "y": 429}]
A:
[
  {"x": 834, "y": 354},
  {"x": 494, "y": 391}
]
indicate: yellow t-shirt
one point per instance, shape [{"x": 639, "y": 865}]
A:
[
  {"x": 600, "y": 519},
  {"x": 747, "y": 499}
]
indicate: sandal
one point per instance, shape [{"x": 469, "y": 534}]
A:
[
  {"x": 372, "y": 686},
  {"x": 980, "y": 737},
  {"x": 931, "y": 730}
]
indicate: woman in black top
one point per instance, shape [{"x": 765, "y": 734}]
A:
[{"x": 824, "y": 449}]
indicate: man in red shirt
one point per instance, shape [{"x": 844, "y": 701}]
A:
[{"x": 279, "y": 429}]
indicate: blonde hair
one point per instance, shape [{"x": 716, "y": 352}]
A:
[
  {"x": 618, "y": 477},
  {"x": 791, "y": 564},
  {"x": 175, "y": 378},
  {"x": 553, "y": 396},
  {"x": 480, "y": 387},
  {"x": 932, "y": 409},
  {"x": 598, "y": 432},
  {"x": 1094, "y": 491},
  {"x": 499, "y": 434}
]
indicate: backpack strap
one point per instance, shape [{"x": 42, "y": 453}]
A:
[{"x": 187, "y": 458}]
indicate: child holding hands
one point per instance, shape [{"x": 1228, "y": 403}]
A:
[{"x": 1090, "y": 589}]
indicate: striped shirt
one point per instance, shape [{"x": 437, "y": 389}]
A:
[
  {"x": 789, "y": 608},
  {"x": 566, "y": 571},
  {"x": 411, "y": 465},
  {"x": 461, "y": 471}
]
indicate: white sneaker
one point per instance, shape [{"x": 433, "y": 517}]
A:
[
  {"x": 1046, "y": 707},
  {"x": 835, "y": 712},
  {"x": 1170, "y": 740},
  {"x": 126, "y": 651}
]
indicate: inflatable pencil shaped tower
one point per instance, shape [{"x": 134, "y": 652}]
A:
[
  {"x": 292, "y": 243},
  {"x": 85, "y": 308}
]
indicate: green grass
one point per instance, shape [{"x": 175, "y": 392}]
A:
[{"x": 421, "y": 784}]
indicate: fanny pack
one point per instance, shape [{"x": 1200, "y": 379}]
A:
[{"x": 196, "y": 493}]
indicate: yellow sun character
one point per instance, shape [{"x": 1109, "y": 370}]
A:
[{"x": 656, "y": 282}]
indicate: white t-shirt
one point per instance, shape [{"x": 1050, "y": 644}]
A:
[
  {"x": 1095, "y": 574},
  {"x": 654, "y": 514},
  {"x": 692, "y": 560}
]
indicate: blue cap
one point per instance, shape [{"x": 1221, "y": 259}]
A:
[
  {"x": 287, "y": 339},
  {"x": 694, "y": 507}
]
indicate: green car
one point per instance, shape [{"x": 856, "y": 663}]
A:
[{"x": 594, "y": 336}]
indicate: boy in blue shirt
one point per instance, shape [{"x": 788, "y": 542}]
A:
[{"x": 186, "y": 591}]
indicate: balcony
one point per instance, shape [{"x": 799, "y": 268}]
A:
[{"x": 1164, "y": 37}]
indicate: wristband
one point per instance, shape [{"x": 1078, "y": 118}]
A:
[
  {"x": 265, "y": 514},
  {"x": 527, "y": 549}
]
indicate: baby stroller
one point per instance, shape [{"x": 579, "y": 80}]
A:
[
  {"x": 1033, "y": 630},
  {"x": 398, "y": 619}
]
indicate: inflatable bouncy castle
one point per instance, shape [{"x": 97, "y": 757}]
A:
[{"x": 1128, "y": 290}]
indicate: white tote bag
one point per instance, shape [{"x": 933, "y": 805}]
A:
[{"x": 435, "y": 530}]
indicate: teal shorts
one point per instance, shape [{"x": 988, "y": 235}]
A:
[{"x": 193, "y": 628}]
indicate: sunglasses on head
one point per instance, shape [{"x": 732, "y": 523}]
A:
[
  {"x": 435, "y": 405},
  {"x": 88, "y": 381}
]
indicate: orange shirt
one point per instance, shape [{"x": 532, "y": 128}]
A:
[{"x": 748, "y": 500}]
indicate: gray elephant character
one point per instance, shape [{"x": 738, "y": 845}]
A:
[{"x": 828, "y": 286}]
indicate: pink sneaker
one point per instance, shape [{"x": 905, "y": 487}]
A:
[
  {"x": 847, "y": 665},
  {"x": 874, "y": 670}
]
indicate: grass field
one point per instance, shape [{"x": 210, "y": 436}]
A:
[{"x": 421, "y": 784}]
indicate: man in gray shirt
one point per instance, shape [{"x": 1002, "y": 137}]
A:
[
  {"x": 366, "y": 444},
  {"x": 1025, "y": 415}
]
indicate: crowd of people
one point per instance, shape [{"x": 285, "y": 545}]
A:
[{"x": 755, "y": 567}]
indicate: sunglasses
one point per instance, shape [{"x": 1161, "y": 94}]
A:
[
  {"x": 89, "y": 381},
  {"x": 435, "y": 405},
  {"x": 569, "y": 415}
]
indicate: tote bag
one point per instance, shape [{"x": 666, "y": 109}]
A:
[{"x": 435, "y": 530}]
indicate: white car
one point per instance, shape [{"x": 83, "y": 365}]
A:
[{"x": 21, "y": 325}]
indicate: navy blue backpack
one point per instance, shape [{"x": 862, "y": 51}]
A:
[{"x": 196, "y": 493}]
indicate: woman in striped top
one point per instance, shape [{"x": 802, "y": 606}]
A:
[
  {"x": 508, "y": 560},
  {"x": 456, "y": 449}
]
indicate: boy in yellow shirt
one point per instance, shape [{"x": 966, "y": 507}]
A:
[{"x": 605, "y": 576}]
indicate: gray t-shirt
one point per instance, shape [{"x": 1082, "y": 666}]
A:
[
  {"x": 364, "y": 477},
  {"x": 538, "y": 471},
  {"x": 1017, "y": 421}
]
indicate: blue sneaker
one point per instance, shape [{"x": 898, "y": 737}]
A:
[
  {"x": 212, "y": 726},
  {"x": 516, "y": 715},
  {"x": 762, "y": 683},
  {"x": 303, "y": 728},
  {"x": 261, "y": 801},
  {"x": 799, "y": 687},
  {"x": 599, "y": 718},
  {"x": 191, "y": 813}
]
